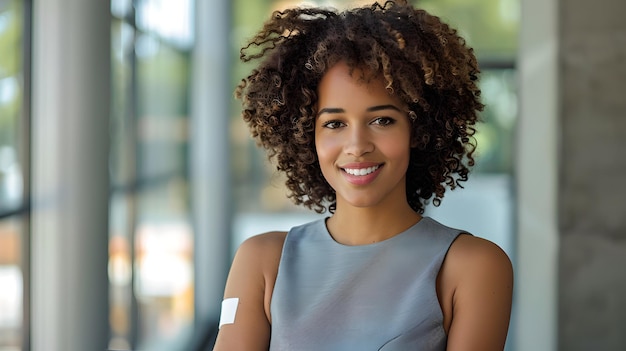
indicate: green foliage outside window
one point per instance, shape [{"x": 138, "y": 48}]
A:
[{"x": 10, "y": 69}]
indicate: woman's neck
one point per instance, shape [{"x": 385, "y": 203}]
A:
[{"x": 360, "y": 226}]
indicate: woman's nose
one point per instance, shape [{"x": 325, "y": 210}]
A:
[{"x": 358, "y": 142}]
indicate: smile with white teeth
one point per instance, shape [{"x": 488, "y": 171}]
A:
[{"x": 361, "y": 171}]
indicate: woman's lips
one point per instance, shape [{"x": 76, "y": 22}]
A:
[{"x": 361, "y": 173}]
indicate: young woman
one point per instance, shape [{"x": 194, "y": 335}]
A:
[{"x": 370, "y": 113}]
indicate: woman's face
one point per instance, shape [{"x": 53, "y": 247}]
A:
[{"x": 362, "y": 136}]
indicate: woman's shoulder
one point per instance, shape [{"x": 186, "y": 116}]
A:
[
  {"x": 264, "y": 241},
  {"x": 262, "y": 250},
  {"x": 272, "y": 242},
  {"x": 469, "y": 252},
  {"x": 473, "y": 264}
]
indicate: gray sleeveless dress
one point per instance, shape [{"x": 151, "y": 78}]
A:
[{"x": 382, "y": 296}]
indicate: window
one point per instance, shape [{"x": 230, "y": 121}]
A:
[
  {"x": 14, "y": 209},
  {"x": 151, "y": 240}
]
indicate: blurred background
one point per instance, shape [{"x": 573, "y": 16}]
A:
[{"x": 128, "y": 179}]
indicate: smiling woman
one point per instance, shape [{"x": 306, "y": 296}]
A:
[{"x": 370, "y": 113}]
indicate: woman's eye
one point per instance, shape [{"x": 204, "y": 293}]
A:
[
  {"x": 332, "y": 124},
  {"x": 383, "y": 121}
]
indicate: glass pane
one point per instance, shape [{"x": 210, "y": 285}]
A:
[
  {"x": 163, "y": 84},
  {"x": 121, "y": 8},
  {"x": 121, "y": 205},
  {"x": 495, "y": 134},
  {"x": 256, "y": 186},
  {"x": 11, "y": 19},
  {"x": 120, "y": 271},
  {"x": 151, "y": 240},
  {"x": 11, "y": 285},
  {"x": 122, "y": 162},
  {"x": 489, "y": 26},
  {"x": 164, "y": 266},
  {"x": 170, "y": 20}
]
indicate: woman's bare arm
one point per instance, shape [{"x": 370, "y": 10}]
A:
[
  {"x": 481, "y": 302},
  {"x": 251, "y": 280}
]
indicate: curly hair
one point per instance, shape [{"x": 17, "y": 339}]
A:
[{"x": 422, "y": 60}]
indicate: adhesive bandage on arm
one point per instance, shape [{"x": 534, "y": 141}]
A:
[{"x": 229, "y": 309}]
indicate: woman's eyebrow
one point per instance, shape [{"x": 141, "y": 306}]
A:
[
  {"x": 382, "y": 107},
  {"x": 330, "y": 110},
  {"x": 369, "y": 109}
]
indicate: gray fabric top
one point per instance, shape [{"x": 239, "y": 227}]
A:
[{"x": 380, "y": 296}]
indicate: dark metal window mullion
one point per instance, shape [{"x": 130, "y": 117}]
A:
[
  {"x": 133, "y": 115},
  {"x": 25, "y": 144},
  {"x": 131, "y": 189},
  {"x": 496, "y": 64},
  {"x": 23, "y": 209}
]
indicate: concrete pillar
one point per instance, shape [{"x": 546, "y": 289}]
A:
[
  {"x": 70, "y": 179},
  {"x": 535, "y": 324},
  {"x": 592, "y": 193},
  {"x": 210, "y": 157}
]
